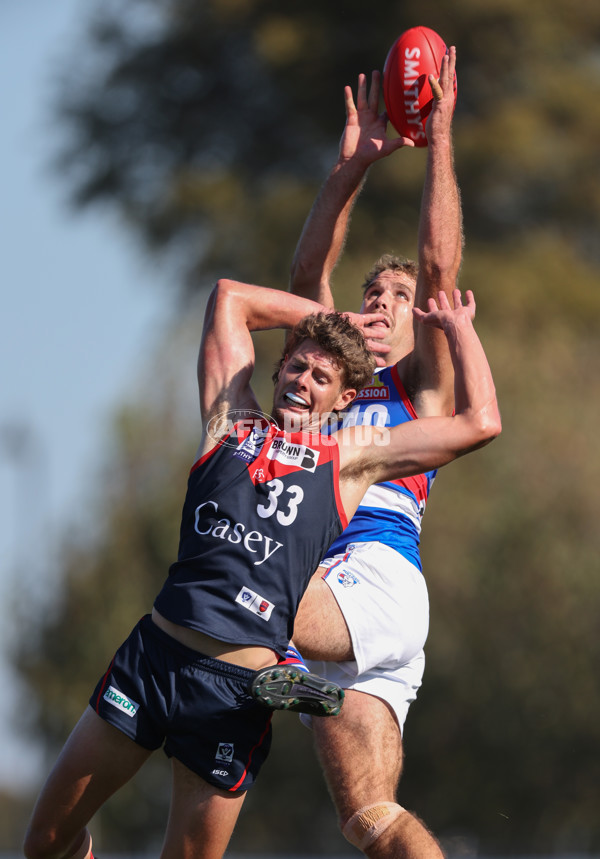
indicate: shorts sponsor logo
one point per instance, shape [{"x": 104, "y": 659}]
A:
[
  {"x": 121, "y": 702},
  {"x": 224, "y": 753},
  {"x": 220, "y": 772},
  {"x": 346, "y": 579},
  {"x": 255, "y": 603},
  {"x": 293, "y": 454}
]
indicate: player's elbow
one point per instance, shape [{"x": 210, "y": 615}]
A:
[
  {"x": 222, "y": 289},
  {"x": 485, "y": 425}
]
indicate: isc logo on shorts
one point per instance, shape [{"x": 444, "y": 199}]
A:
[{"x": 293, "y": 454}]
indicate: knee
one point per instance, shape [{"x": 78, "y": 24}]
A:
[{"x": 370, "y": 822}]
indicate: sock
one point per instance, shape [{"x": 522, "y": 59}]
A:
[{"x": 292, "y": 657}]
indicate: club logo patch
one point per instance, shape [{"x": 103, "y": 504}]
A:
[
  {"x": 255, "y": 603},
  {"x": 252, "y": 445},
  {"x": 224, "y": 752},
  {"x": 346, "y": 579}
]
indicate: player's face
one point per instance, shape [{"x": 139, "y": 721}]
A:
[
  {"x": 393, "y": 294},
  {"x": 308, "y": 389}
]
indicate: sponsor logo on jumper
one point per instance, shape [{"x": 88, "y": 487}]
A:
[
  {"x": 220, "y": 772},
  {"x": 224, "y": 753},
  {"x": 255, "y": 603},
  {"x": 375, "y": 392},
  {"x": 288, "y": 453},
  {"x": 120, "y": 701},
  {"x": 253, "y": 542},
  {"x": 346, "y": 579}
]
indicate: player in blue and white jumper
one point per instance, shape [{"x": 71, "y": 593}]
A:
[{"x": 366, "y": 611}]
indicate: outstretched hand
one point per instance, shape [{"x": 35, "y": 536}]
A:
[
  {"x": 441, "y": 315},
  {"x": 364, "y": 136},
  {"x": 373, "y": 336},
  {"x": 440, "y": 118}
]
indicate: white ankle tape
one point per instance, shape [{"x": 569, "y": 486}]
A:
[{"x": 368, "y": 823}]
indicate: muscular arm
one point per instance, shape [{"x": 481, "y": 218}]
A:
[
  {"x": 429, "y": 373},
  {"x": 374, "y": 454},
  {"x": 322, "y": 240},
  {"x": 226, "y": 358}
]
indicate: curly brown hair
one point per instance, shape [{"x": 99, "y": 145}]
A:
[
  {"x": 391, "y": 262},
  {"x": 341, "y": 339}
]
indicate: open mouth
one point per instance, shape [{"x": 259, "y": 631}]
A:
[
  {"x": 385, "y": 322},
  {"x": 295, "y": 401}
]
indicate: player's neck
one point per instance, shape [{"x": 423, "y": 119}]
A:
[{"x": 397, "y": 355}]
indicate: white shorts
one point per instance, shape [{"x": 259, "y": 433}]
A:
[{"x": 384, "y": 601}]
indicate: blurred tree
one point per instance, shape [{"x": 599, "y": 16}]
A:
[{"x": 209, "y": 126}]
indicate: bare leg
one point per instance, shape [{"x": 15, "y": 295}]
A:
[
  {"x": 96, "y": 761},
  {"x": 201, "y": 819},
  {"x": 361, "y": 754},
  {"x": 320, "y": 631}
]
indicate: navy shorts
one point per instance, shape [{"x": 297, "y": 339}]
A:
[{"x": 160, "y": 692}]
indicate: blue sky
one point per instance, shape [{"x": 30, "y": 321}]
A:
[{"x": 80, "y": 307}]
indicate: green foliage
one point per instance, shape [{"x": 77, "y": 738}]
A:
[{"x": 210, "y": 126}]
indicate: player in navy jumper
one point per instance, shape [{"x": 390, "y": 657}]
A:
[{"x": 263, "y": 501}]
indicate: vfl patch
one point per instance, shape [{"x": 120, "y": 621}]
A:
[
  {"x": 249, "y": 449},
  {"x": 120, "y": 701},
  {"x": 224, "y": 752},
  {"x": 346, "y": 579},
  {"x": 255, "y": 603},
  {"x": 293, "y": 454}
]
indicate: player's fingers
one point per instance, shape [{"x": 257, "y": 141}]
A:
[
  {"x": 451, "y": 61},
  {"x": 374, "y": 91},
  {"x": 370, "y": 318},
  {"x": 349, "y": 101},
  {"x": 436, "y": 89},
  {"x": 457, "y": 298},
  {"x": 377, "y": 346},
  {"x": 361, "y": 92},
  {"x": 443, "y": 302}
]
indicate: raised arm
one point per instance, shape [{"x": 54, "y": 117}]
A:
[
  {"x": 429, "y": 374},
  {"x": 375, "y": 454},
  {"x": 322, "y": 240},
  {"x": 226, "y": 358}
]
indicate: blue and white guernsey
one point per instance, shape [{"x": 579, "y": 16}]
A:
[{"x": 389, "y": 512}]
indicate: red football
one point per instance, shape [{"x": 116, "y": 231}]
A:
[{"x": 415, "y": 54}]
